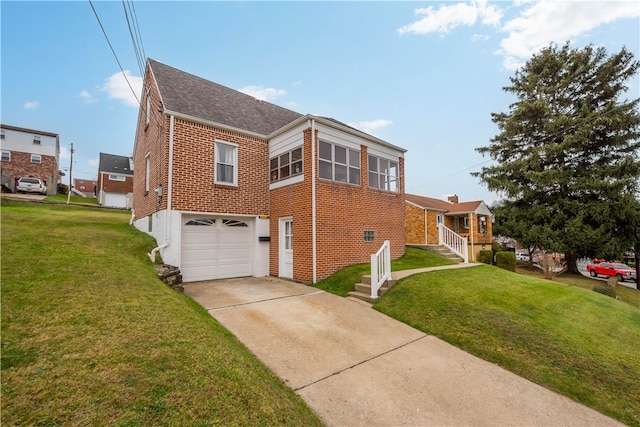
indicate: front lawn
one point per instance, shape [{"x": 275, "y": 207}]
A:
[
  {"x": 91, "y": 336},
  {"x": 574, "y": 341},
  {"x": 344, "y": 281}
]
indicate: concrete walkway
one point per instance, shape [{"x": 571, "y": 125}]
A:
[{"x": 357, "y": 367}]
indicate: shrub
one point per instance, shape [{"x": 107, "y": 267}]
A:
[
  {"x": 506, "y": 260},
  {"x": 486, "y": 256},
  {"x": 605, "y": 290}
]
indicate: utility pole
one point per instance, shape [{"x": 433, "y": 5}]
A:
[{"x": 70, "y": 176}]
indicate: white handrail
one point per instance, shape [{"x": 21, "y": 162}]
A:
[
  {"x": 453, "y": 241},
  {"x": 380, "y": 268}
]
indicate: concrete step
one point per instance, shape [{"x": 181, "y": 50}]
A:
[
  {"x": 367, "y": 281},
  {"x": 362, "y": 296}
]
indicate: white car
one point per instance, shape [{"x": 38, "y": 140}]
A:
[
  {"x": 521, "y": 256},
  {"x": 31, "y": 185}
]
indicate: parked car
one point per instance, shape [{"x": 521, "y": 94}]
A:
[
  {"x": 31, "y": 185},
  {"x": 521, "y": 256},
  {"x": 610, "y": 269}
]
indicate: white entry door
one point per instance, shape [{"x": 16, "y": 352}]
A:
[{"x": 285, "y": 267}]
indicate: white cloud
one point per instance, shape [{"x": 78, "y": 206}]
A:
[
  {"x": 371, "y": 125},
  {"x": 480, "y": 37},
  {"x": 117, "y": 87},
  {"x": 446, "y": 18},
  {"x": 86, "y": 96},
  {"x": 263, "y": 93},
  {"x": 64, "y": 153},
  {"x": 546, "y": 21},
  {"x": 31, "y": 105}
]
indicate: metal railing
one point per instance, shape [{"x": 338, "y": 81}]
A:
[
  {"x": 453, "y": 241},
  {"x": 380, "y": 268}
]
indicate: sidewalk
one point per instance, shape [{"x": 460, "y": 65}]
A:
[{"x": 355, "y": 366}]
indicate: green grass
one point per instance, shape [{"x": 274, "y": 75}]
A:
[
  {"x": 624, "y": 293},
  {"x": 343, "y": 281},
  {"x": 74, "y": 199},
  {"x": 91, "y": 336},
  {"x": 577, "y": 342}
]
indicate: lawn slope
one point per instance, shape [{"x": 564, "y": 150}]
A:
[
  {"x": 90, "y": 335},
  {"x": 577, "y": 342}
]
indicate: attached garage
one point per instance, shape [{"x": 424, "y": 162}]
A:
[{"x": 216, "y": 247}]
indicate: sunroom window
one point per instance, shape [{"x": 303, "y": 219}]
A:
[
  {"x": 337, "y": 163},
  {"x": 383, "y": 174}
]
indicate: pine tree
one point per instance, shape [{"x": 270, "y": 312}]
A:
[{"x": 567, "y": 152}]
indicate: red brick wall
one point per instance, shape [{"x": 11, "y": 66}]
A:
[
  {"x": 153, "y": 139},
  {"x": 111, "y": 186},
  {"x": 343, "y": 213},
  {"x": 193, "y": 172},
  {"x": 20, "y": 165}
]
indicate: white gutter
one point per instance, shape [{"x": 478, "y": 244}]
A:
[
  {"x": 426, "y": 234},
  {"x": 473, "y": 257},
  {"x": 313, "y": 200},
  {"x": 167, "y": 218}
]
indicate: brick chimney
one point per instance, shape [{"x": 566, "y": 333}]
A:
[{"x": 453, "y": 199}]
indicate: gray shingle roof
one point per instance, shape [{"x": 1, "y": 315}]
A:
[
  {"x": 112, "y": 163},
  {"x": 187, "y": 94}
]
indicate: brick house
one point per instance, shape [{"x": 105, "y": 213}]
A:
[
  {"x": 29, "y": 153},
  {"x": 232, "y": 186},
  {"x": 470, "y": 220},
  {"x": 114, "y": 187},
  {"x": 86, "y": 187}
]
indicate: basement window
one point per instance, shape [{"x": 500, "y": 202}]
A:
[{"x": 369, "y": 235}]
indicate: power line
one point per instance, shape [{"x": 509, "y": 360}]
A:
[
  {"x": 136, "y": 38},
  {"x": 114, "y": 53}
]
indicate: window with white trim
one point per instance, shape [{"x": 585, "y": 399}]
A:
[
  {"x": 36, "y": 139},
  {"x": 148, "y": 116},
  {"x": 383, "y": 174},
  {"x": 226, "y": 167},
  {"x": 116, "y": 177},
  {"x": 337, "y": 163},
  {"x": 36, "y": 158},
  {"x": 2, "y": 134},
  {"x": 466, "y": 222},
  {"x": 285, "y": 165},
  {"x": 147, "y": 171},
  {"x": 6, "y": 155},
  {"x": 439, "y": 219}
]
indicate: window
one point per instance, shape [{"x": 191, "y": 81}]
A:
[
  {"x": 383, "y": 174},
  {"x": 6, "y": 155},
  {"x": 36, "y": 158},
  {"x": 439, "y": 219},
  {"x": 148, "y": 117},
  {"x": 483, "y": 224},
  {"x": 369, "y": 235},
  {"x": 226, "y": 155},
  {"x": 338, "y": 163},
  {"x": 234, "y": 223},
  {"x": 288, "y": 235},
  {"x": 147, "y": 171},
  {"x": 115, "y": 177},
  {"x": 202, "y": 221},
  {"x": 36, "y": 139},
  {"x": 466, "y": 222},
  {"x": 2, "y": 134},
  {"x": 285, "y": 165}
]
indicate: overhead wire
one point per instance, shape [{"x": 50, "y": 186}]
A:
[
  {"x": 114, "y": 52},
  {"x": 134, "y": 32}
]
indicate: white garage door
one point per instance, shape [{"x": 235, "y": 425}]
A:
[
  {"x": 215, "y": 247},
  {"x": 115, "y": 200}
]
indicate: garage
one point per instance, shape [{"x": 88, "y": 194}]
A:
[
  {"x": 216, "y": 247},
  {"x": 115, "y": 200}
]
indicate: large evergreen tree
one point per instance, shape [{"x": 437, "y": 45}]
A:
[{"x": 567, "y": 161}]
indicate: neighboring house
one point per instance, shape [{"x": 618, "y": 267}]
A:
[
  {"x": 470, "y": 220},
  {"x": 86, "y": 187},
  {"x": 29, "y": 153},
  {"x": 232, "y": 186},
  {"x": 115, "y": 181}
]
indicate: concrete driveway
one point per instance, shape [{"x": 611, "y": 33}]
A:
[{"x": 355, "y": 366}]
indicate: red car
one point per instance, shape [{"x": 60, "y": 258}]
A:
[{"x": 609, "y": 269}]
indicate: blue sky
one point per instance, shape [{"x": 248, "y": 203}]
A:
[{"x": 425, "y": 76}]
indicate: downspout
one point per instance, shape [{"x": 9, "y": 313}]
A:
[
  {"x": 426, "y": 234},
  {"x": 167, "y": 219},
  {"x": 313, "y": 202},
  {"x": 473, "y": 256}
]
